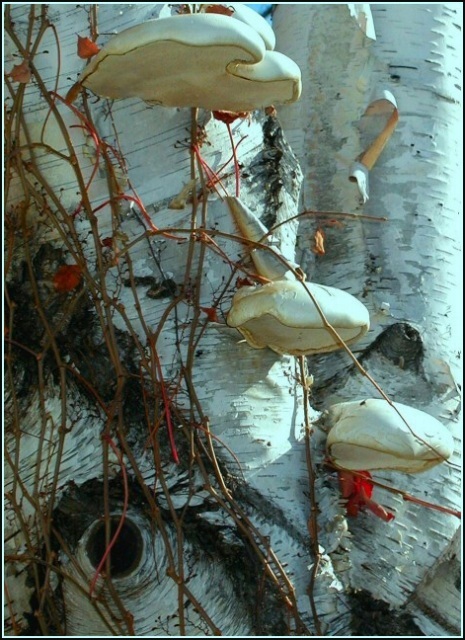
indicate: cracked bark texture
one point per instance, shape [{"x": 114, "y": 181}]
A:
[{"x": 241, "y": 549}]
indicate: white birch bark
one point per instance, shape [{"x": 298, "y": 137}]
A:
[
  {"x": 407, "y": 270},
  {"x": 253, "y": 399}
]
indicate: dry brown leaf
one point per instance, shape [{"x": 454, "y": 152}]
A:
[
  {"x": 21, "y": 72},
  {"x": 319, "y": 238}
]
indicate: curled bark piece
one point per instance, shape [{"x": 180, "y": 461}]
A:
[
  {"x": 268, "y": 263},
  {"x": 384, "y": 105},
  {"x": 362, "y": 14}
]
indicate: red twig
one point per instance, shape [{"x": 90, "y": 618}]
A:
[
  {"x": 86, "y": 127},
  {"x": 231, "y": 158},
  {"x": 213, "y": 178},
  {"x": 90, "y": 130},
  {"x": 429, "y": 505},
  {"x": 236, "y": 165},
  {"x": 123, "y": 514},
  {"x": 166, "y": 402},
  {"x": 98, "y": 142}
]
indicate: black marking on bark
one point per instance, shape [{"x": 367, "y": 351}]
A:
[
  {"x": 157, "y": 288},
  {"x": 273, "y": 170},
  {"x": 434, "y": 615},
  {"x": 83, "y": 506},
  {"x": 371, "y": 617},
  {"x": 401, "y": 344}
]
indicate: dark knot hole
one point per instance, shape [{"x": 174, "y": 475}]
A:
[{"x": 126, "y": 552}]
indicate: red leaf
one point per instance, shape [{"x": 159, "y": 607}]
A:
[
  {"x": 228, "y": 117},
  {"x": 358, "y": 489},
  {"x": 244, "y": 282},
  {"x": 353, "y": 506},
  {"x": 352, "y": 484},
  {"x": 379, "y": 511},
  {"x": 211, "y": 313},
  {"x": 21, "y": 72},
  {"x": 67, "y": 278},
  {"x": 218, "y": 8},
  {"x": 271, "y": 111},
  {"x": 364, "y": 484},
  {"x": 346, "y": 483},
  {"x": 86, "y": 48}
]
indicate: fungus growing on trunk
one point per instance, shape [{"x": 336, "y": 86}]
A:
[
  {"x": 198, "y": 60},
  {"x": 250, "y": 17},
  {"x": 370, "y": 434},
  {"x": 282, "y": 314}
]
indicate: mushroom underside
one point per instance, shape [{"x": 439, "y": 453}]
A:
[
  {"x": 208, "y": 61},
  {"x": 358, "y": 457},
  {"x": 267, "y": 331},
  {"x": 166, "y": 81}
]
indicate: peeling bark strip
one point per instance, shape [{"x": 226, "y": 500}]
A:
[{"x": 243, "y": 536}]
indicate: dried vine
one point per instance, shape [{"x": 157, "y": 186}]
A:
[{"x": 33, "y": 204}]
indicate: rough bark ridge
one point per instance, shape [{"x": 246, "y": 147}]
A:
[{"x": 113, "y": 376}]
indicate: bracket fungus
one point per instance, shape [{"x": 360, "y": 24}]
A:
[
  {"x": 197, "y": 60},
  {"x": 282, "y": 314},
  {"x": 370, "y": 434},
  {"x": 250, "y": 17}
]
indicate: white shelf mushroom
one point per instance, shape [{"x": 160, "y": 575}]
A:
[
  {"x": 248, "y": 15},
  {"x": 370, "y": 434},
  {"x": 196, "y": 60},
  {"x": 282, "y": 314}
]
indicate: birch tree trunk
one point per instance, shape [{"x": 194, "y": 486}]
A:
[
  {"x": 407, "y": 269},
  {"x": 113, "y": 378}
]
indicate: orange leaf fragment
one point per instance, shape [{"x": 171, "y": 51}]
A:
[
  {"x": 211, "y": 313},
  {"x": 244, "y": 282},
  {"x": 86, "y": 48},
  {"x": 21, "y": 72},
  {"x": 271, "y": 111},
  {"x": 67, "y": 278},
  {"x": 220, "y": 9},
  {"x": 319, "y": 239},
  {"x": 228, "y": 117}
]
